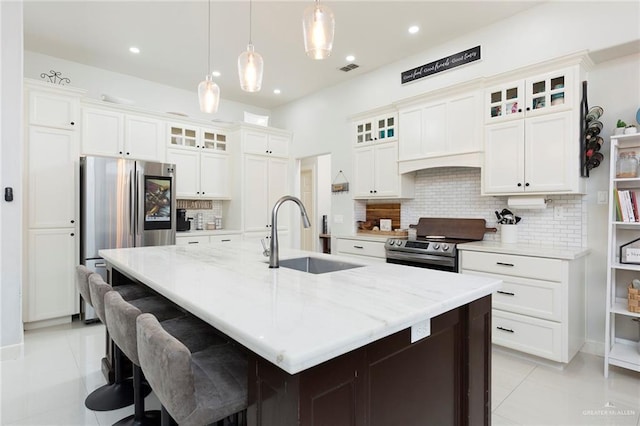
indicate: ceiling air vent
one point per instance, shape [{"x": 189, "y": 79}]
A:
[{"x": 349, "y": 67}]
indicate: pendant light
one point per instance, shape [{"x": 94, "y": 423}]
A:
[
  {"x": 250, "y": 65},
  {"x": 208, "y": 90},
  {"x": 318, "y": 25}
]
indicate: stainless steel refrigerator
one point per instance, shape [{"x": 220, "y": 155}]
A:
[{"x": 123, "y": 203}]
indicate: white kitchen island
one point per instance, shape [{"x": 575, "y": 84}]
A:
[{"x": 321, "y": 344}]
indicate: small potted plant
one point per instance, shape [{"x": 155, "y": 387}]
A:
[
  {"x": 620, "y": 126},
  {"x": 630, "y": 129}
]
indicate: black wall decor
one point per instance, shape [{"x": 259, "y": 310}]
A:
[{"x": 452, "y": 61}]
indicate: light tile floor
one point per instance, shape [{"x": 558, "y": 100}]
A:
[{"x": 61, "y": 365}]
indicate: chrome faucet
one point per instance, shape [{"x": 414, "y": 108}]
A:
[{"x": 274, "y": 261}]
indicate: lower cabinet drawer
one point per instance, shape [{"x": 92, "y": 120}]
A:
[
  {"x": 183, "y": 241},
  {"x": 362, "y": 248},
  {"x": 536, "y": 298},
  {"x": 514, "y": 265},
  {"x": 531, "y": 335},
  {"x": 223, "y": 238}
]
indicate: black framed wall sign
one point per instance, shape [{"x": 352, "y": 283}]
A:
[{"x": 443, "y": 64}]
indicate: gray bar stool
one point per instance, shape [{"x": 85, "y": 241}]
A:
[
  {"x": 119, "y": 393},
  {"x": 194, "y": 388},
  {"x": 118, "y": 330}
]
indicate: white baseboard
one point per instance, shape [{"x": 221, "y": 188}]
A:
[
  {"x": 593, "y": 348},
  {"x": 11, "y": 352},
  {"x": 46, "y": 323}
]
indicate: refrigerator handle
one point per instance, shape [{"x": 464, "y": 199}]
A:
[
  {"x": 138, "y": 215},
  {"x": 132, "y": 206}
]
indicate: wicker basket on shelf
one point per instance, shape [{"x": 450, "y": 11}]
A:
[{"x": 634, "y": 299}]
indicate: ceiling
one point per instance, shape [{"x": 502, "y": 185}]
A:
[{"x": 172, "y": 37}]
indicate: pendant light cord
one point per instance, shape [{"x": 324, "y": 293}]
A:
[
  {"x": 209, "y": 39},
  {"x": 250, "y": 11}
]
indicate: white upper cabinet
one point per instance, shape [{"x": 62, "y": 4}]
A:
[
  {"x": 112, "y": 133},
  {"x": 53, "y": 110},
  {"x": 202, "y": 161},
  {"x": 542, "y": 94},
  {"x": 536, "y": 155},
  {"x": 377, "y": 128},
  {"x": 376, "y": 173},
  {"x": 265, "y": 143},
  {"x": 441, "y": 131},
  {"x": 52, "y": 157},
  {"x": 143, "y": 138}
]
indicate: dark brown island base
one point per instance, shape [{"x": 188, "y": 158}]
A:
[{"x": 444, "y": 379}]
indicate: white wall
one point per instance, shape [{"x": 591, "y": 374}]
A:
[
  {"x": 11, "y": 173},
  {"x": 146, "y": 94},
  {"x": 614, "y": 85},
  {"x": 320, "y": 122}
]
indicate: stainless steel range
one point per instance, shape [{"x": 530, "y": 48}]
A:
[{"x": 435, "y": 246}]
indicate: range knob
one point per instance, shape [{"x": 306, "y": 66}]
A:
[
  {"x": 445, "y": 247},
  {"x": 392, "y": 242},
  {"x": 436, "y": 246}
]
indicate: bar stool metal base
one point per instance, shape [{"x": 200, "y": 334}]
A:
[
  {"x": 149, "y": 418},
  {"x": 113, "y": 396}
]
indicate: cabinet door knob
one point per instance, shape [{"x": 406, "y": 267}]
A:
[
  {"x": 520, "y": 109},
  {"x": 128, "y": 153},
  {"x": 526, "y": 184},
  {"x": 73, "y": 221},
  {"x": 120, "y": 152},
  {"x": 73, "y": 123},
  {"x": 72, "y": 234},
  {"x": 519, "y": 184},
  {"x": 528, "y": 109}
]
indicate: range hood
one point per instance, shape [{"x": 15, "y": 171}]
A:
[{"x": 465, "y": 159}]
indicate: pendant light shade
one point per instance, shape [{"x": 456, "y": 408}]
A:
[
  {"x": 318, "y": 25},
  {"x": 209, "y": 95},
  {"x": 250, "y": 69},
  {"x": 208, "y": 91},
  {"x": 250, "y": 65}
]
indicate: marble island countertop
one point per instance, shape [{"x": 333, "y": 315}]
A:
[
  {"x": 294, "y": 319},
  {"x": 205, "y": 232}
]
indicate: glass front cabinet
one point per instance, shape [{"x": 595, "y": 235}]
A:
[{"x": 542, "y": 94}]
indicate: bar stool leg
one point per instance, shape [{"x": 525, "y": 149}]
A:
[
  {"x": 140, "y": 417},
  {"x": 166, "y": 419},
  {"x": 116, "y": 395}
]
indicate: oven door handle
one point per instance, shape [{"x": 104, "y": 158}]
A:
[{"x": 422, "y": 258}]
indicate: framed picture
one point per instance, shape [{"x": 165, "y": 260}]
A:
[{"x": 630, "y": 252}]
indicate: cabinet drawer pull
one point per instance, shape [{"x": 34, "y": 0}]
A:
[
  {"x": 506, "y": 293},
  {"x": 504, "y": 264},
  {"x": 224, "y": 241},
  {"x": 193, "y": 242},
  {"x": 505, "y": 329},
  {"x": 358, "y": 247}
]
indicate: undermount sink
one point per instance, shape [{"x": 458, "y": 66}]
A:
[{"x": 314, "y": 265}]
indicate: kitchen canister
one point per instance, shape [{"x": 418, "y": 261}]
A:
[
  {"x": 199, "y": 221},
  {"x": 508, "y": 233}
]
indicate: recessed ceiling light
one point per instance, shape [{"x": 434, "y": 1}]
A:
[
  {"x": 215, "y": 73},
  {"x": 414, "y": 29},
  {"x": 350, "y": 58},
  {"x": 134, "y": 49},
  {"x": 276, "y": 91}
]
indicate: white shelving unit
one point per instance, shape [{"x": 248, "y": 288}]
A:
[{"x": 621, "y": 346}]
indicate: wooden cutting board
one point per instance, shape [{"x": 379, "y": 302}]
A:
[
  {"x": 375, "y": 212},
  {"x": 468, "y": 229}
]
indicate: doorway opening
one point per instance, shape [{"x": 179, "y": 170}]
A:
[{"x": 315, "y": 193}]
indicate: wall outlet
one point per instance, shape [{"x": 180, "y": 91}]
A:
[
  {"x": 420, "y": 330},
  {"x": 558, "y": 212},
  {"x": 338, "y": 218}
]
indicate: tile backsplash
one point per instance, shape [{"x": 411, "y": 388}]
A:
[
  {"x": 455, "y": 192},
  {"x": 208, "y": 214}
]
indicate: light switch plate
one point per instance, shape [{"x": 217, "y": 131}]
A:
[{"x": 603, "y": 197}]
